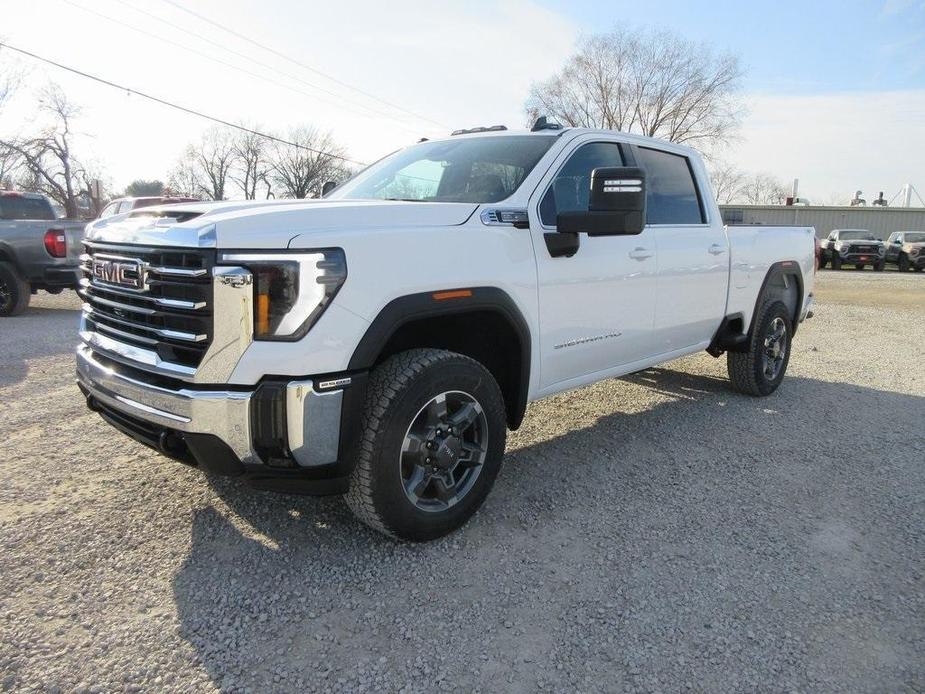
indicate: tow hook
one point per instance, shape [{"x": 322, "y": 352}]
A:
[{"x": 171, "y": 444}]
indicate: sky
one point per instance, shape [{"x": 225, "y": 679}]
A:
[{"x": 834, "y": 92}]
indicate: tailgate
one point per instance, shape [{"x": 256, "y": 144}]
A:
[{"x": 74, "y": 231}]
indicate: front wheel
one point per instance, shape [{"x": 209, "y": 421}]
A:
[
  {"x": 760, "y": 370},
  {"x": 433, "y": 439},
  {"x": 879, "y": 265},
  {"x": 903, "y": 263}
]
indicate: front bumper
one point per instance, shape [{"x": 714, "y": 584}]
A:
[
  {"x": 867, "y": 258},
  {"x": 285, "y": 435}
]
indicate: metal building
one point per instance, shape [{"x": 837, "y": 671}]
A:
[{"x": 882, "y": 221}]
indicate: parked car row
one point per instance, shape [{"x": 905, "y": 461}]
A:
[{"x": 859, "y": 248}]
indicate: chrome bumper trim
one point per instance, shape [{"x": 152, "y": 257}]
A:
[
  {"x": 313, "y": 423},
  {"x": 312, "y": 417},
  {"x": 225, "y": 414}
]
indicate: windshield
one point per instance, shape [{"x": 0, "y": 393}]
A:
[
  {"x": 480, "y": 170},
  {"x": 917, "y": 237},
  {"x": 856, "y": 235},
  {"x": 19, "y": 207}
]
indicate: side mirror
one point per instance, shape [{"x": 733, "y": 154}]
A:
[
  {"x": 328, "y": 187},
  {"x": 617, "y": 206}
]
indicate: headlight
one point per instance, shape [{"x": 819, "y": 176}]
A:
[{"x": 291, "y": 290}]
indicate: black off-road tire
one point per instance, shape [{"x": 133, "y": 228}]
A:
[
  {"x": 398, "y": 389},
  {"x": 15, "y": 292},
  {"x": 746, "y": 371},
  {"x": 903, "y": 262},
  {"x": 879, "y": 266}
]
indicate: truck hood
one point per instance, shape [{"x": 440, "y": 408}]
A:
[{"x": 270, "y": 224}]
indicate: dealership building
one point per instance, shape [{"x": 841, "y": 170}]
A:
[{"x": 882, "y": 221}]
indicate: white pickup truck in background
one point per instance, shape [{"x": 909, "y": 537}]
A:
[{"x": 379, "y": 342}]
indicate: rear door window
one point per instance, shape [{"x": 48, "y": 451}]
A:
[{"x": 671, "y": 194}]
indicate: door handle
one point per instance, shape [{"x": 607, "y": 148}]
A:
[
  {"x": 640, "y": 253},
  {"x": 717, "y": 249}
]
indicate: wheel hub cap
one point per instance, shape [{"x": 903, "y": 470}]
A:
[{"x": 443, "y": 451}]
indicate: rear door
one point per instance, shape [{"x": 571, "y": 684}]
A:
[
  {"x": 596, "y": 307},
  {"x": 693, "y": 251}
]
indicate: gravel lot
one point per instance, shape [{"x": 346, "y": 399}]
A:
[{"x": 654, "y": 533}]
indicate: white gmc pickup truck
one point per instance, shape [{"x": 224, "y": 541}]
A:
[{"x": 380, "y": 341}]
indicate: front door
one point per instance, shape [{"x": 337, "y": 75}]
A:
[{"x": 597, "y": 306}]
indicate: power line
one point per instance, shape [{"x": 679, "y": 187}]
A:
[
  {"x": 272, "y": 50},
  {"x": 236, "y": 67},
  {"x": 190, "y": 111}
]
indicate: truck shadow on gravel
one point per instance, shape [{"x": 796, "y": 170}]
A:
[
  {"x": 634, "y": 509},
  {"x": 39, "y": 332}
]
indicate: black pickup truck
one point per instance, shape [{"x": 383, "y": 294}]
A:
[
  {"x": 37, "y": 250},
  {"x": 857, "y": 247}
]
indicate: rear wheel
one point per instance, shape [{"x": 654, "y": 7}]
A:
[
  {"x": 760, "y": 370},
  {"x": 904, "y": 263},
  {"x": 433, "y": 440},
  {"x": 14, "y": 291}
]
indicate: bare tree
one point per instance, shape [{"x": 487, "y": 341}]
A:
[
  {"x": 301, "y": 170},
  {"x": 204, "y": 169},
  {"x": 650, "y": 82},
  {"x": 727, "y": 181},
  {"x": 10, "y": 166},
  {"x": 46, "y": 160},
  {"x": 252, "y": 166},
  {"x": 763, "y": 189}
]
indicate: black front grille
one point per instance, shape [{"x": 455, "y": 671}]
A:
[
  {"x": 862, "y": 249},
  {"x": 170, "y": 314}
]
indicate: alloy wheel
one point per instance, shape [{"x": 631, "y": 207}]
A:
[
  {"x": 443, "y": 451},
  {"x": 775, "y": 348}
]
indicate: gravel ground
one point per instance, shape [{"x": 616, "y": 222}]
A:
[{"x": 653, "y": 533}]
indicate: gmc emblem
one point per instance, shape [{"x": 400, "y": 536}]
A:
[{"x": 122, "y": 272}]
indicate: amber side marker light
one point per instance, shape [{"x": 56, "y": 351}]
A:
[
  {"x": 454, "y": 294},
  {"x": 263, "y": 314}
]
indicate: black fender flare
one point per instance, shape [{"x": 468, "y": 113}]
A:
[
  {"x": 786, "y": 270},
  {"x": 729, "y": 336},
  {"x": 448, "y": 302}
]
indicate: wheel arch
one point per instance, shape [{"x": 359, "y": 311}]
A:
[
  {"x": 8, "y": 256},
  {"x": 783, "y": 281},
  {"x": 483, "y": 323}
]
